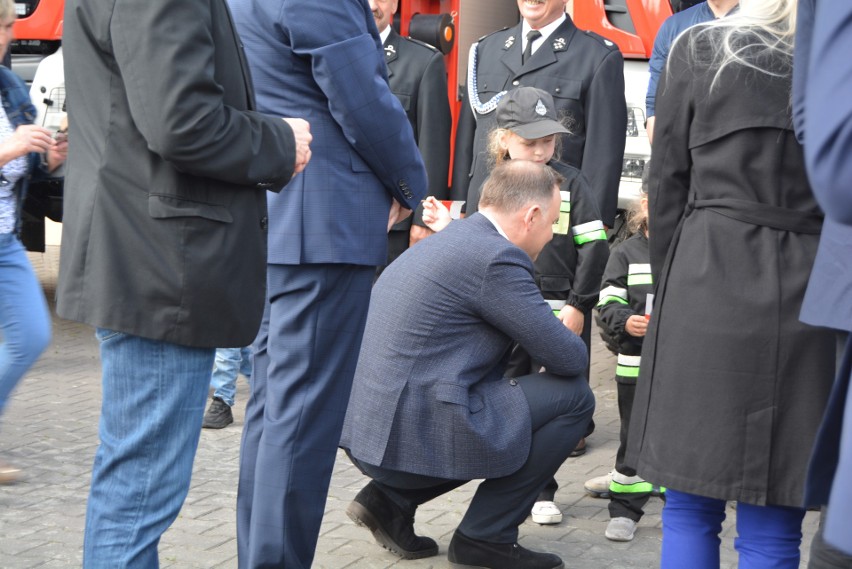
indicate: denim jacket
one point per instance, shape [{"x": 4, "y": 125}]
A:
[{"x": 20, "y": 110}]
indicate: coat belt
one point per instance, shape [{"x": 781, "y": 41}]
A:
[{"x": 764, "y": 215}]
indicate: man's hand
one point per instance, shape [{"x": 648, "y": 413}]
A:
[
  {"x": 302, "y": 134},
  {"x": 417, "y": 233},
  {"x": 573, "y": 318},
  {"x": 636, "y": 326},
  {"x": 397, "y": 214}
]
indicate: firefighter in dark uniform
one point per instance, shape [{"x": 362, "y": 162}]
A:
[
  {"x": 622, "y": 322},
  {"x": 418, "y": 77},
  {"x": 583, "y": 72}
]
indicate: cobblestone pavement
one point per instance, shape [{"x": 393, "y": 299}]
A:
[{"x": 50, "y": 430}]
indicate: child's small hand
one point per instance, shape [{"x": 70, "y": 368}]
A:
[
  {"x": 436, "y": 216},
  {"x": 636, "y": 326}
]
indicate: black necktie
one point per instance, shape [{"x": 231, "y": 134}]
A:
[{"x": 532, "y": 35}]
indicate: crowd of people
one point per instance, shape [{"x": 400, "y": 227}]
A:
[{"x": 245, "y": 194}]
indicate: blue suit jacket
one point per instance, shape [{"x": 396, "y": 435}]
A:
[
  {"x": 429, "y": 396},
  {"x": 823, "y": 115},
  {"x": 323, "y": 62}
]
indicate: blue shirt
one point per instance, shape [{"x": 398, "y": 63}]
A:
[{"x": 671, "y": 28}]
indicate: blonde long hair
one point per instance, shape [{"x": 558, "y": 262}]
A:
[{"x": 758, "y": 32}]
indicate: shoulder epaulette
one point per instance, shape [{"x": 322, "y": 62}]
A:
[
  {"x": 423, "y": 43},
  {"x": 609, "y": 44},
  {"x": 492, "y": 33}
]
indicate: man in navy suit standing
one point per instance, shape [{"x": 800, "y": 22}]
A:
[
  {"x": 822, "y": 112},
  {"x": 431, "y": 407},
  {"x": 323, "y": 62}
]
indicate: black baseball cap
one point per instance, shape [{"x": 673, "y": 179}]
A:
[{"x": 529, "y": 113}]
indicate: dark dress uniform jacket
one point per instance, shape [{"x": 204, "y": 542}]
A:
[
  {"x": 584, "y": 74},
  {"x": 429, "y": 395},
  {"x": 732, "y": 385},
  {"x": 165, "y": 223},
  {"x": 418, "y": 77}
]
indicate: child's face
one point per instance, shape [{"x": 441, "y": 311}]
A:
[{"x": 539, "y": 150}]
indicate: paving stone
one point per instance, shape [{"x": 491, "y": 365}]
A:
[{"x": 50, "y": 430}]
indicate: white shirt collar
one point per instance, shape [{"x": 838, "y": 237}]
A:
[
  {"x": 384, "y": 34},
  {"x": 494, "y": 223},
  {"x": 546, "y": 31}
]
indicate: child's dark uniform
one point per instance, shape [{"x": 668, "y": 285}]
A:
[
  {"x": 569, "y": 268},
  {"x": 626, "y": 282}
]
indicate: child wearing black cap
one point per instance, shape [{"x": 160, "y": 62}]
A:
[{"x": 570, "y": 267}]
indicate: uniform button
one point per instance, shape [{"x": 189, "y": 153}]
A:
[
  {"x": 516, "y": 83},
  {"x": 558, "y": 90},
  {"x": 264, "y": 223},
  {"x": 264, "y": 185},
  {"x": 513, "y": 382}
]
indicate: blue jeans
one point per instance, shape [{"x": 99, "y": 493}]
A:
[
  {"x": 229, "y": 363},
  {"x": 153, "y": 402},
  {"x": 24, "y": 317},
  {"x": 768, "y": 536}
]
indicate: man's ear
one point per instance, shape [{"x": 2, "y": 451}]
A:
[{"x": 532, "y": 212}]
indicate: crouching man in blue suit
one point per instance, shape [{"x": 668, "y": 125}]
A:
[{"x": 430, "y": 408}]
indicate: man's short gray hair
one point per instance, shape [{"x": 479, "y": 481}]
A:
[
  {"x": 7, "y": 10},
  {"x": 515, "y": 184}
]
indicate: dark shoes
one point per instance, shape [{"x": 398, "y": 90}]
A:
[
  {"x": 218, "y": 415},
  {"x": 391, "y": 526},
  {"x": 467, "y": 553}
]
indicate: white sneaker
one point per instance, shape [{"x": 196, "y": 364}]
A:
[
  {"x": 620, "y": 529},
  {"x": 546, "y": 513},
  {"x": 598, "y": 487}
]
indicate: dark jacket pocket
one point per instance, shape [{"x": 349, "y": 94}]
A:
[
  {"x": 165, "y": 207},
  {"x": 459, "y": 395}
]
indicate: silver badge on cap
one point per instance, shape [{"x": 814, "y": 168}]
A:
[
  {"x": 540, "y": 108},
  {"x": 509, "y": 42}
]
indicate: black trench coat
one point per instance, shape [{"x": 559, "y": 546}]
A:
[{"x": 732, "y": 385}]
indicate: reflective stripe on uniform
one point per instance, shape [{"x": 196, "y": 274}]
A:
[
  {"x": 561, "y": 226},
  {"x": 628, "y": 366},
  {"x": 622, "y": 484},
  {"x": 591, "y": 231},
  {"x": 639, "y": 274},
  {"x": 612, "y": 294},
  {"x": 556, "y": 305}
]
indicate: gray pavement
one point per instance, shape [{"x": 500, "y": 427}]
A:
[{"x": 50, "y": 430}]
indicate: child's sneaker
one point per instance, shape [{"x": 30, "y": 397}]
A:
[{"x": 620, "y": 529}]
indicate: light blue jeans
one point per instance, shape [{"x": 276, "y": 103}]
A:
[
  {"x": 153, "y": 402},
  {"x": 229, "y": 363},
  {"x": 24, "y": 317},
  {"x": 768, "y": 537}
]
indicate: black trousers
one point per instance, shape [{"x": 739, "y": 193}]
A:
[
  {"x": 397, "y": 244},
  {"x": 560, "y": 409},
  {"x": 626, "y": 504}
]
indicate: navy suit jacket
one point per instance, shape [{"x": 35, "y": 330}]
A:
[
  {"x": 323, "y": 62},
  {"x": 823, "y": 113},
  {"x": 429, "y": 395}
]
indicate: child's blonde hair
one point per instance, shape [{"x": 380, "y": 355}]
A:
[
  {"x": 637, "y": 219},
  {"x": 497, "y": 154}
]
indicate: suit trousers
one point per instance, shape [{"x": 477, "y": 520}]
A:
[
  {"x": 305, "y": 357},
  {"x": 560, "y": 409}
]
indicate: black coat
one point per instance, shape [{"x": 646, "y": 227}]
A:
[
  {"x": 585, "y": 75},
  {"x": 418, "y": 77},
  {"x": 624, "y": 292},
  {"x": 732, "y": 385}
]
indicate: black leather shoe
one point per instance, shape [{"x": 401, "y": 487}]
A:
[
  {"x": 467, "y": 553},
  {"x": 218, "y": 415},
  {"x": 391, "y": 526}
]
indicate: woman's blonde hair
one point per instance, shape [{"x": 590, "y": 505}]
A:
[
  {"x": 758, "y": 35},
  {"x": 7, "y": 10}
]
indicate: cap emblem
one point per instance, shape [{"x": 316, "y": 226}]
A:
[{"x": 540, "y": 109}]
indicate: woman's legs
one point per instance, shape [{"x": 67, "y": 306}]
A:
[
  {"x": 769, "y": 536},
  {"x": 691, "y": 526}
]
